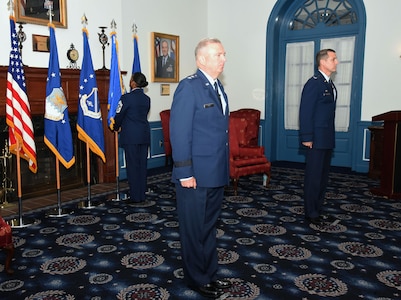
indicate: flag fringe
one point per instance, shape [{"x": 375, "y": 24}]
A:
[
  {"x": 67, "y": 164},
  {"x": 83, "y": 136}
]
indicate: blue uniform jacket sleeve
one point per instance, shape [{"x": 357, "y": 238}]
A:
[
  {"x": 181, "y": 122},
  {"x": 307, "y": 110}
]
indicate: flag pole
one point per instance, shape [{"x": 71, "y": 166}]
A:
[
  {"x": 19, "y": 189},
  {"x": 117, "y": 170},
  {"x": 88, "y": 173},
  {"x": 19, "y": 222},
  {"x": 88, "y": 204},
  {"x": 58, "y": 211}
]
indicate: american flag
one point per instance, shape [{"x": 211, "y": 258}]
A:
[
  {"x": 172, "y": 53},
  {"x": 18, "y": 111},
  {"x": 157, "y": 46}
]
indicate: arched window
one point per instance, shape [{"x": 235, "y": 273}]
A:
[
  {"x": 327, "y": 13},
  {"x": 300, "y": 57}
]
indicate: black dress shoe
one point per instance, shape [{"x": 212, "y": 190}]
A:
[
  {"x": 208, "y": 291},
  {"x": 222, "y": 284},
  {"x": 315, "y": 221}
]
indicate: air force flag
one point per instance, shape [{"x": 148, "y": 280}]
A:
[
  {"x": 89, "y": 123},
  {"x": 58, "y": 135}
]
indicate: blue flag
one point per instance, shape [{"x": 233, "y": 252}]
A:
[
  {"x": 58, "y": 135},
  {"x": 116, "y": 87},
  {"x": 89, "y": 122},
  {"x": 136, "y": 66}
]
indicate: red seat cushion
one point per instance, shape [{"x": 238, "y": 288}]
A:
[
  {"x": 249, "y": 161},
  {"x": 251, "y": 151}
]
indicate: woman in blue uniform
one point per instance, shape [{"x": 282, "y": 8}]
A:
[{"x": 132, "y": 120}]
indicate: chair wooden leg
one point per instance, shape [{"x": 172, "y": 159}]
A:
[
  {"x": 235, "y": 184},
  {"x": 268, "y": 174},
  {"x": 169, "y": 160}
]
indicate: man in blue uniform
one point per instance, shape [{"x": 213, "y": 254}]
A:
[
  {"x": 199, "y": 139},
  {"x": 317, "y": 133}
]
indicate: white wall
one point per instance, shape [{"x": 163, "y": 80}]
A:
[
  {"x": 187, "y": 19},
  {"x": 241, "y": 26},
  {"x": 382, "y": 74},
  {"x": 242, "y": 30}
]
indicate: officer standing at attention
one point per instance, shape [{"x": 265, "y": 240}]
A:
[
  {"x": 317, "y": 133},
  {"x": 199, "y": 138}
]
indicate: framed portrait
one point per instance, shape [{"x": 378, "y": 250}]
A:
[
  {"x": 36, "y": 12},
  {"x": 165, "y": 57}
]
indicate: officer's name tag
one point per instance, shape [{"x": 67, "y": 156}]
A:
[{"x": 207, "y": 105}]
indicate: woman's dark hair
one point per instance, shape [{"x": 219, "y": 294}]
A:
[{"x": 139, "y": 79}]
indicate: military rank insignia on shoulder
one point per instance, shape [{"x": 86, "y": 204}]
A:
[
  {"x": 193, "y": 76},
  {"x": 119, "y": 106}
]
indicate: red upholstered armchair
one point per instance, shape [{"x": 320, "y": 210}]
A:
[
  {"x": 245, "y": 159},
  {"x": 165, "y": 119},
  {"x": 6, "y": 243}
]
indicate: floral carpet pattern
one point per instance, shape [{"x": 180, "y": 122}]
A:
[{"x": 118, "y": 250}]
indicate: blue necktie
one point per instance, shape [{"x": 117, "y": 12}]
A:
[
  {"x": 218, "y": 95},
  {"x": 333, "y": 89}
]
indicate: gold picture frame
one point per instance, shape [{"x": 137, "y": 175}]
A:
[
  {"x": 168, "y": 46},
  {"x": 34, "y": 12}
]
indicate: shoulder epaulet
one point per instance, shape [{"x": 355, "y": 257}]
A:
[
  {"x": 192, "y": 76},
  {"x": 314, "y": 77}
]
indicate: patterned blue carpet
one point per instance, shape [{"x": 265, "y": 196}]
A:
[{"x": 119, "y": 250}]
